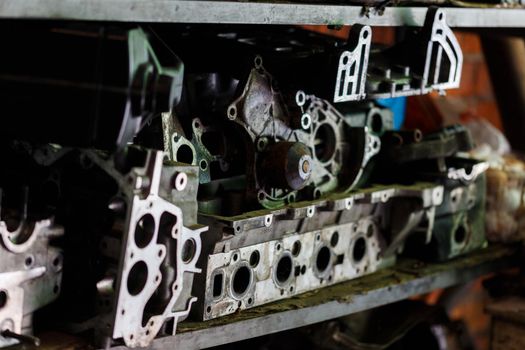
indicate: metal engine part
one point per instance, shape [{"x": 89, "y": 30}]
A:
[
  {"x": 350, "y": 82},
  {"x": 459, "y": 225},
  {"x": 30, "y": 275},
  {"x": 119, "y": 79},
  {"x": 426, "y": 61},
  {"x": 293, "y": 151},
  {"x": 159, "y": 247},
  {"x": 263, "y": 256}
]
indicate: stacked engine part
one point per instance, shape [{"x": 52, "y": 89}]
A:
[
  {"x": 203, "y": 188},
  {"x": 31, "y": 271},
  {"x": 441, "y": 158}
]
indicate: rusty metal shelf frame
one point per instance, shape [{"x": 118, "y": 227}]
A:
[
  {"x": 250, "y": 12},
  {"x": 408, "y": 278}
]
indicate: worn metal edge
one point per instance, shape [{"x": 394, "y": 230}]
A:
[
  {"x": 245, "y": 12},
  {"x": 406, "y": 282}
]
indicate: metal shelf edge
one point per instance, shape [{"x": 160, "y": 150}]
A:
[{"x": 237, "y": 12}]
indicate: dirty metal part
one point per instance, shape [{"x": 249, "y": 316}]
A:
[
  {"x": 409, "y": 149},
  {"x": 119, "y": 80},
  {"x": 459, "y": 224},
  {"x": 160, "y": 245},
  {"x": 296, "y": 263},
  {"x": 287, "y": 165},
  {"x": 430, "y": 60},
  {"x": 343, "y": 153},
  {"x": 30, "y": 276},
  {"x": 412, "y": 213},
  {"x": 285, "y": 147},
  {"x": 267, "y": 255},
  {"x": 265, "y": 119},
  {"x": 383, "y": 287},
  {"x": 353, "y": 65},
  {"x": 379, "y": 120}
]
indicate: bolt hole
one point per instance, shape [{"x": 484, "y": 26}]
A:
[
  {"x": 300, "y": 98},
  {"x": 370, "y": 231},
  {"x": 254, "y": 258},
  {"x": 334, "y": 239},
  {"x": 232, "y": 112},
  {"x": 57, "y": 261},
  {"x": 258, "y": 61},
  {"x": 346, "y": 58},
  {"x": 3, "y": 299},
  {"x": 296, "y": 248},
  {"x": 460, "y": 235}
]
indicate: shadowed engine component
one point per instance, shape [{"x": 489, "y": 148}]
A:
[
  {"x": 95, "y": 84},
  {"x": 153, "y": 274},
  {"x": 287, "y": 164},
  {"x": 30, "y": 275}
]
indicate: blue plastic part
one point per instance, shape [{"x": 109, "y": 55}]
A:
[{"x": 398, "y": 106}]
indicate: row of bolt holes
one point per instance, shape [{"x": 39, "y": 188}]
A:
[
  {"x": 30, "y": 260},
  {"x": 242, "y": 276}
]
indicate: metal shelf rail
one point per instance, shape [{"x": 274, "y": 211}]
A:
[{"x": 194, "y": 11}]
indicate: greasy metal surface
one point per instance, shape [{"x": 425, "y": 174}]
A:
[
  {"x": 180, "y": 11},
  {"x": 352, "y": 233},
  {"x": 408, "y": 278}
]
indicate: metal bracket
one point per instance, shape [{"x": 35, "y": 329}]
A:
[
  {"x": 353, "y": 65},
  {"x": 444, "y": 58}
]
